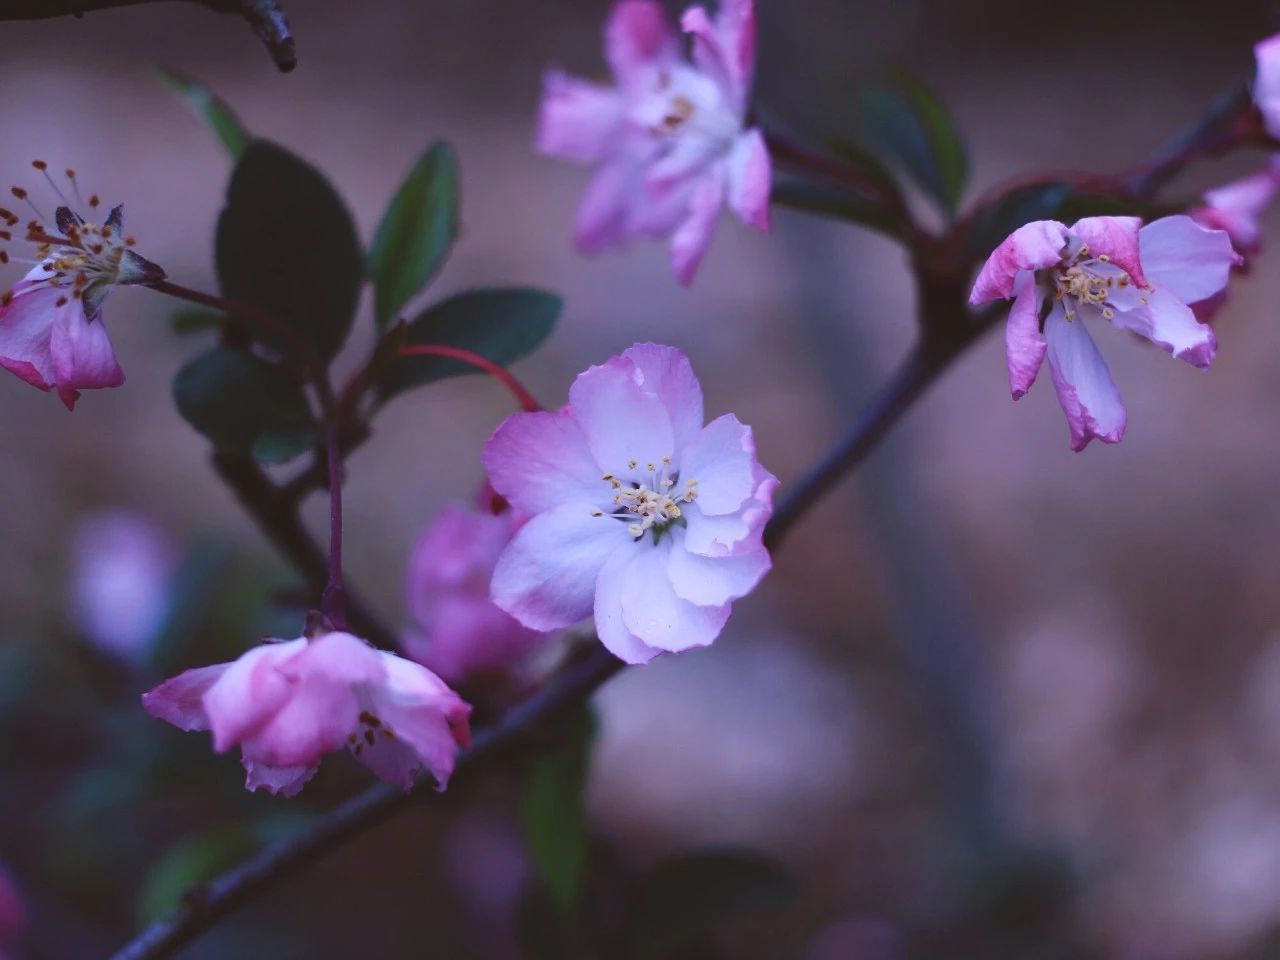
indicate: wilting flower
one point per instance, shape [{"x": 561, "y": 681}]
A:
[
  {"x": 1139, "y": 278},
  {"x": 459, "y": 631},
  {"x": 1236, "y": 207},
  {"x": 51, "y": 329},
  {"x": 669, "y": 138},
  {"x": 1266, "y": 87},
  {"x": 122, "y": 574},
  {"x": 639, "y": 512},
  {"x": 288, "y": 703}
]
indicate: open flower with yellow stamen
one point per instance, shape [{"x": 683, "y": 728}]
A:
[
  {"x": 639, "y": 513},
  {"x": 1141, "y": 279},
  {"x": 51, "y": 330}
]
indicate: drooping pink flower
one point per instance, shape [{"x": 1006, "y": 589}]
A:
[
  {"x": 459, "y": 632},
  {"x": 669, "y": 139},
  {"x": 51, "y": 330},
  {"x": 288, "y": 703},
  {"x": 1236, "y": 207},
  {"x": 1139, "y": 278},
  {"x": 639, "y": 513},
  {"x": 123, "y": 567},
  {"x": 1266, "y": 86}
]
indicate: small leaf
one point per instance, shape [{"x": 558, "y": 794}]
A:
[
  {"x": 689, "y": 896},
  {"x": 416, "y": 232},
  {"x": 245, "y": 405},
  {"x": 286, "y": 244},
  {"x": 912, "y": 127},
  {"x": 501, "y": 325},
  {"x": 553, "y": 812},
  {"x": 831, "y": 201},
  {"x": 187, "y": 864},
  {"x": 214, "y": 111},
  {"x": 195, "y": 320}
]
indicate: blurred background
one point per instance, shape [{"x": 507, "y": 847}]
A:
[{"x": 996, "y": 700}]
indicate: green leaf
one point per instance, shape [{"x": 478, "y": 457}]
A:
[
  {"x": 416, "y": 232},
  {"x": 195, "y": 320},
  {"x": 214, "y": 111},
  {"x": 553, "y": 812},
  {"x": 912, "y": 127},
  {"x": 689, "y": 896},
  {"x": 501, "y": 324},
  {"x": 187, "y": 864},
  {"x": 245, "y": 405},
  {"x": 831, "y": 201},
  {"x": 286, "y": 244}
]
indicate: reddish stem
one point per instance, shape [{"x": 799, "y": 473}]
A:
[{"x": 498, "y": 372}]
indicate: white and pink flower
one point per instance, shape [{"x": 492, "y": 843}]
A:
[
  {"x": 51, "y": 330},
  {"x": 1237, "y": 207},
  {"x": 288, "y": 703},
  {"x": 669, "y": 138},
  {"x": 459, "y": 632},
  {"x": 1266, "y": 85},
  {"x": 639, "y": 513},
  {"x": 1141, "y": 279}
]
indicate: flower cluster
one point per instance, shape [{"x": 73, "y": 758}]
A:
[
  {"x": 669, "y": 139},
  {"x": 288, "y": 703},
  {"x": 51, "y": 330}
]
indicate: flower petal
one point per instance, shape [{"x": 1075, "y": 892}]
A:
[
  {"x": 719, "y": 536},
  {"x": 667, "y": 374},
  {"x": 750, "y": 179},
  {"x": 712, "y": 581},
  {"x": 693, "y": 237},
  {"x": 546, "y": 578},
  {"x": 276, "y": 780},
  {"x": 1031, "y": 247},
  {"x": 611, "y": 630},
  {"x": 1024, "y": 344},
  {"x": 424, "y": 716},
  {"x": 1172, "y": 325},
  {"x": 26, "y": 328},
  {"x": 653, "y": 612},
  {"x": 1237, "y": 206},
  {"x": 721, "y": 458},
  {"x": 180, "y": 700},
  {"x": 1085, "y": 389},
  {"x": 540, "y": 460},
  {"x": 1187, "y": 260},
  {"x": 637, "y": 39},
  {"x": 83, "y": 358},
  {"x": 249, "y": 691},
  {"x": 1266, "y": 88},
  {"x": 725, "y": 48},
  {"x": 578, "y": 120},
  {"x": 605, "y": 211},
  {"x": 622, "y": 422},
  {"x": 1115, "y": 238}
]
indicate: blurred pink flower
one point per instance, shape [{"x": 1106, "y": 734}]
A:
[
  {"x": 459, "y": 632},
  {"x": 1266, "y": 87},
  {"x": 668, "y": 139},
  {"x": 1236, "y": 207},
  {"x": 122, "y": 574},
  {"x": 13, "y": 913},
  {"x": 1139, "y": 278},
  {"x": 288, "y": 703},
  {"x": 639, "y": 511},
  {"x": 51, "y": 329}
]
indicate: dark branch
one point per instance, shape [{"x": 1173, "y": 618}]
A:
[{"x": 264, "y": 16}]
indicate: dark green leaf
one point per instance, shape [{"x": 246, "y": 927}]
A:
[
  {"x": 553, "y": 814},
  {"x": 187, "y": 864},
  {"x": 214, "y": 111},
  {"x": 416, "y": 232},
  {"x": 501, "y": 325},
  {"x": 831, "y": 201},
  {"x": 863, "y": 161},
  {"x": 245, "y": 405},
  {"x": 912, "y": 127},
  {"x": 195, "y": 320},
  {"x": 286, "y": 244},
  {"x": 688, "y": 897}
]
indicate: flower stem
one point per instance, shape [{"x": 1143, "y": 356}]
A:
[
  {"x": 333, "y": 602},
  {"x": 255, "y": 316},
  {"x": 498, "y": 372}
]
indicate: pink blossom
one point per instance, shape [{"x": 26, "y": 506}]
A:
[
  {"x": 13, "y": 913},
  {"x": 1236, "y": 207},
  {"x": 459, "y": 632},
  {"x": 1139, "y": 278},
  {"x": 1266, "y": 87},
  {"x": 668, "y": 139},
  {"x": 51, "y": 330},
  {"x": 639, "y": 512},
  {"x": 288, "y": 703},
  {"x": 123, "y": 567}
]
